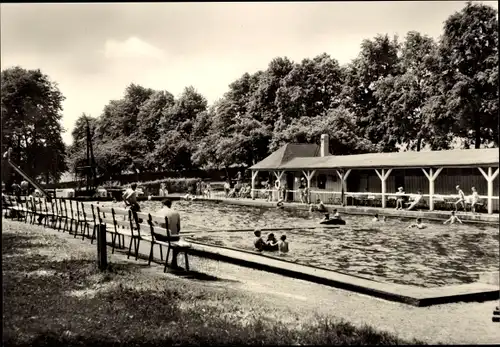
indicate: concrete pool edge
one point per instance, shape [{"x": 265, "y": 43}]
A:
[
  {"x": 412, "y": 295},
  {"x": 363, "y": 210}
]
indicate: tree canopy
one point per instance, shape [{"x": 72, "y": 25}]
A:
[
  {"x": 399, "y": 93},
  {"x": 31, "y": 113}
]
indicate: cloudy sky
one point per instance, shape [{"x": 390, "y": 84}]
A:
[{"x": 93, "y": 51}]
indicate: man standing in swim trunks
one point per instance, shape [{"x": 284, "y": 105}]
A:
[{"x": 461, "y": 198}]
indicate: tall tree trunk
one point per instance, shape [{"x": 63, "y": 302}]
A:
[
  {"x": 477, "y": 131},
  {"x": 419, "y": 144}
]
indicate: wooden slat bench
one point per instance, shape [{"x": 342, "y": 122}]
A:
[{"x": 141, "y": 227}]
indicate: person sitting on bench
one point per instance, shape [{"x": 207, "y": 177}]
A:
[{"x": 173, "y": 218}]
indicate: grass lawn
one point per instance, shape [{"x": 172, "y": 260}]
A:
[{"x": 54, "y": 295}]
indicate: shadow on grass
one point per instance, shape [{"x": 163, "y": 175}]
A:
[{"x": 124, "y": 307}]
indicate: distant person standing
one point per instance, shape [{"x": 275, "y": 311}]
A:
[
  {"x": 163, "y": 190},
  {"x": 474, "y": 200},
  {"x": 130, "y": 198},
  {"x": 284, "y": 189},
  {"x": 24, "y": 187},
  {"x": 461, "y": 198},
  {"x": 238, "y": 176},
  {"x": 227, "y": 188},
  {"x": 268, "y": 192},
  {"x": 16, "y": 189},
  {"x": 302, "y": 192}
]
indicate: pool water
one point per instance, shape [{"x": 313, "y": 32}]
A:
[{"x": 436, "y": 256}]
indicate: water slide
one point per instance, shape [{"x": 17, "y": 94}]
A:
[{"x": 6, "y": 158}]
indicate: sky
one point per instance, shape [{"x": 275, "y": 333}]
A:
[{"x": 93, "y": 51}]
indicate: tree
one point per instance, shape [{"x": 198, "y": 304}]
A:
[
  {"x": 261, "y": 105},
  {"x": 77, "y": 152},
  {"x": 31, "y": 114},
  {"x": 150, "y": 115},
  {"x": 176, "y": 143},
  {"x": 401, "y": 97},
  {"x": 338, "y": 123},
  {"x": 469, "y": 60},
  {"x": 310, "y": 88},
  {"x": 378, "y": 59}
]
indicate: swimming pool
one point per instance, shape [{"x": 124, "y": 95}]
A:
[{"x": 436, "y": 256}]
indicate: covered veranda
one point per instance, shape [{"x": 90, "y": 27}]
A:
[{"x": 467, "y": 168}]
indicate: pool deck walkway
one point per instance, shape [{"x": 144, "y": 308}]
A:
[
  {"x": 412, "y": 295},
  {"x": 364, "y": 210}
]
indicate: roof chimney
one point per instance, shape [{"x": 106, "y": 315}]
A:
[{"x": 325, "y": 145}]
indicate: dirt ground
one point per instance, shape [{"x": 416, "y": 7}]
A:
[{"x": 460, "y": 323}]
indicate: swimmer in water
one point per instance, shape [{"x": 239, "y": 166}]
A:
[
  {"x": 258, "y": 241},
  {"x": 453, "y": 219},
  {"x": 283, "y": 245},
  {"x": 418, "y": 224},
  {"x": 375, "y": 218},
  {"x": 271, "y": 243},
  {"x": 280, "y": 204},
  {"x": 336, "y": 214}
]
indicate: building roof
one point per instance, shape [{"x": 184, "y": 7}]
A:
[
  {"x": 449, "y": 158},
  {"x": 286, "y": 153}
]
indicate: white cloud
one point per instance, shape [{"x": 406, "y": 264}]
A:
[{"x": 133, "y": 47}]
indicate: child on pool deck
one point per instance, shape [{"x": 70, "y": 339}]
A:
[{"x": 453, "y": 219}]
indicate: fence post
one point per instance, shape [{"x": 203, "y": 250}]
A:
[{"x": 102, "y": 255}]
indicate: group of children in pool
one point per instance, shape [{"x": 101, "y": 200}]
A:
[{"x": 271, "y": 244}]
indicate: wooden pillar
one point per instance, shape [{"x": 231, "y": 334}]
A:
[
  {"x": 254, "y": 176},
  {"x": 431, "y": 176},
  {"x": 490, "y": 177},
  {"x": 383, "y": 177},
  {"x": 309, "y": 175},
  {"x": 343, "y": 177}
]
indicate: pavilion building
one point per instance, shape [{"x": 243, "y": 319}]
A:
[{"x": 378, "y": 175}]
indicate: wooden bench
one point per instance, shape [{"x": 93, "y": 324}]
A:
[
  {"x": 139, "y": 227},
  {"x": 19, "y": 207}
]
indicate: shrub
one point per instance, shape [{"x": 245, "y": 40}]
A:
[{"x": 173, "y": 185}]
